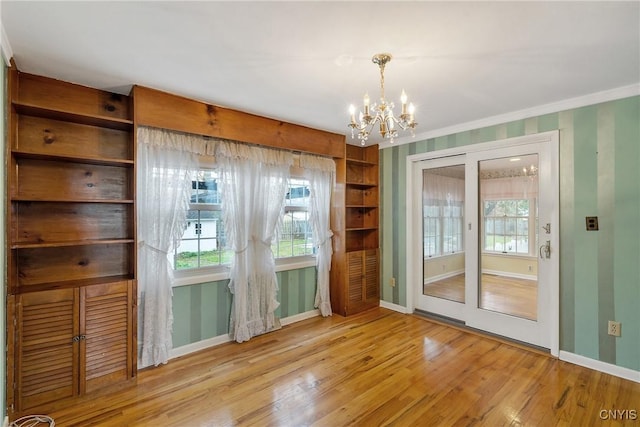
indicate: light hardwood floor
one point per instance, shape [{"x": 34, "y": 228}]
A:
[
  {"x": 517, "y": 297},
  {"x": 375, "y": 368}
]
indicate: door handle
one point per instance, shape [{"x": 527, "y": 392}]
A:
[{"x": 545, "y": 250}]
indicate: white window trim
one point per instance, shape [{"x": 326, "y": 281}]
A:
[
  {"x": 216, "y": 273},
  {"x": 449, "y": 254}
]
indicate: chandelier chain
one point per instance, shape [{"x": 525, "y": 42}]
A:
[{"x": 382, "y": 82}]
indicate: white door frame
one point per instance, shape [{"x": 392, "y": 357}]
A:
[{"x": 414, "y": 240}]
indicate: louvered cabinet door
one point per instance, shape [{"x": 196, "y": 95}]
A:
[
  {"x": 363, "y": 284},
  {"x": 371, "y": 276},
  {"x": 46, "y": 347},
  {"x": 106, "y": 351},
  {"x": 355, "y": 279}
]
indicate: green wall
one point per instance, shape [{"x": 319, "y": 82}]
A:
[
  {"x": 202, "y": 311},
  {"x": 599, "y": 175}
]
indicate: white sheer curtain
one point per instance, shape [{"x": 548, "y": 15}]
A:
[
  {"x": 517, "y": 187},
  {"x": 164, "y": 161},
  {"x": 443, "y": 191},
  {"x": 254, "y": 184},
  {"x": 321, "y": 175}
]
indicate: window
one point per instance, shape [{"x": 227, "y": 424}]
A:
[
  {"x": 506, "y": 225},
  {"x": 295, "y": 235},
  {"x": 442, "y": 225},
  {"x": 203, "y": 242}
]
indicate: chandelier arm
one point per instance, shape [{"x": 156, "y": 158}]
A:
[{"x": 366, "y": 123}]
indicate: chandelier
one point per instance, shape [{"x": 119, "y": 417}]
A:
[{"x": 382, "y": 113}]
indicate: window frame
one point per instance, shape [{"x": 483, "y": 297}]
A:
[
  {"x": 532, "y": 221},
  {"x": 439, "y": 236}
]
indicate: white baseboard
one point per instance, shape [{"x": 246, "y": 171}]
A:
[
  {"x": 444, "y": 276},
  {"x": 607, "y": 368},
  {"x": 509, "y": 274},
  {"x": 197, "y": 346},
  {"x": 221, "y": 339},
  {"x": 395, "y": 307},
  {"x": 6, "y": 422},
  {"x": 298, "y": 317}
]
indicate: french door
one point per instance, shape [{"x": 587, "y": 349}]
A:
[{"x": 484, "y": 239}]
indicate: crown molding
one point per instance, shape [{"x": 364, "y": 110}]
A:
[
  {"x": 567, "y": 104},
  {"x": 7, "y": 52}
]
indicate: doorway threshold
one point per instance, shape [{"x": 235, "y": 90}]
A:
[{"x": 459, "y": 324}]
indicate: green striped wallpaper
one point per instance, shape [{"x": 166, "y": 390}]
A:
[
  {"x": 599, "y": 175},
  {"x": 202, "y": 311}
]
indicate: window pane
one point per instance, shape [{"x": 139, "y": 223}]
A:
[
  {"x": 204, "y": 187},
  {"x": 522, "y": 208},
  {"x": 506, "y": 225},
  {"x": 203, "y": 242},
  {"x": 295, "y": 237}
]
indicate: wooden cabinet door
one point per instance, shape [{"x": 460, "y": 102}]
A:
[
  {"x": 106, "y": 323},
  {"x": 371, "y": 276},
  {"x": 363, "y": 289},
  {"x": 45, "y": 348},
  {"x": 72, "y": 341}
]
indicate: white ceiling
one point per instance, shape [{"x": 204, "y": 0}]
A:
[{"x": 305, "y": 62}]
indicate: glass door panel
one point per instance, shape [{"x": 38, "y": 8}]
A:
[
  {"x": 508, "y": 237},
  {"x": 438, "y": 206},
  {"x": 442, "y": 228}
]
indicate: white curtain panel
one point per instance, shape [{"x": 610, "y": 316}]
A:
[
  {"x": 254, "y": 182},
  {"x": 164, "y": 160},
  {"x": 321, "y": 175},
  {"x": 442, "y": 190}
]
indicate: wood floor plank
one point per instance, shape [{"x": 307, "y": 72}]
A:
[{"x": 374, "y": 368}]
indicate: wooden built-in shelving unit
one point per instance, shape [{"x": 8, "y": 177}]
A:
[
  {"x": 355, "y": 272},
  {"x": 71, "y": 241}
]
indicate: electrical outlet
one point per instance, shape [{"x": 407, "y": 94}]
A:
[
  {"x": 392, "y": 282},
  {"x": 614, "y": 328}
]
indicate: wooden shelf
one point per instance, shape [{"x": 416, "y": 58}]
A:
[
  {"x": 362, "y": 184},
  {"x": 74, "y": 283},
  {"x": 32, "y": 245},
  {"x": 362, "y": 229},
  {"x": 74, "y": 159},
  {"x": 358, "y": 206},
  {"x": 69, "y": 116},
  {"x": 58, "y": 200},
  {"x": 361, "y": 162}
]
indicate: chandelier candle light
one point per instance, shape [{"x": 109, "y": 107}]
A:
[{"x": 383, "y": 112}]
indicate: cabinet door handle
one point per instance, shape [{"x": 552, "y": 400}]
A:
[
  {"x": 49, "y": 137},
  {"x": 76, "y": 338}
]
